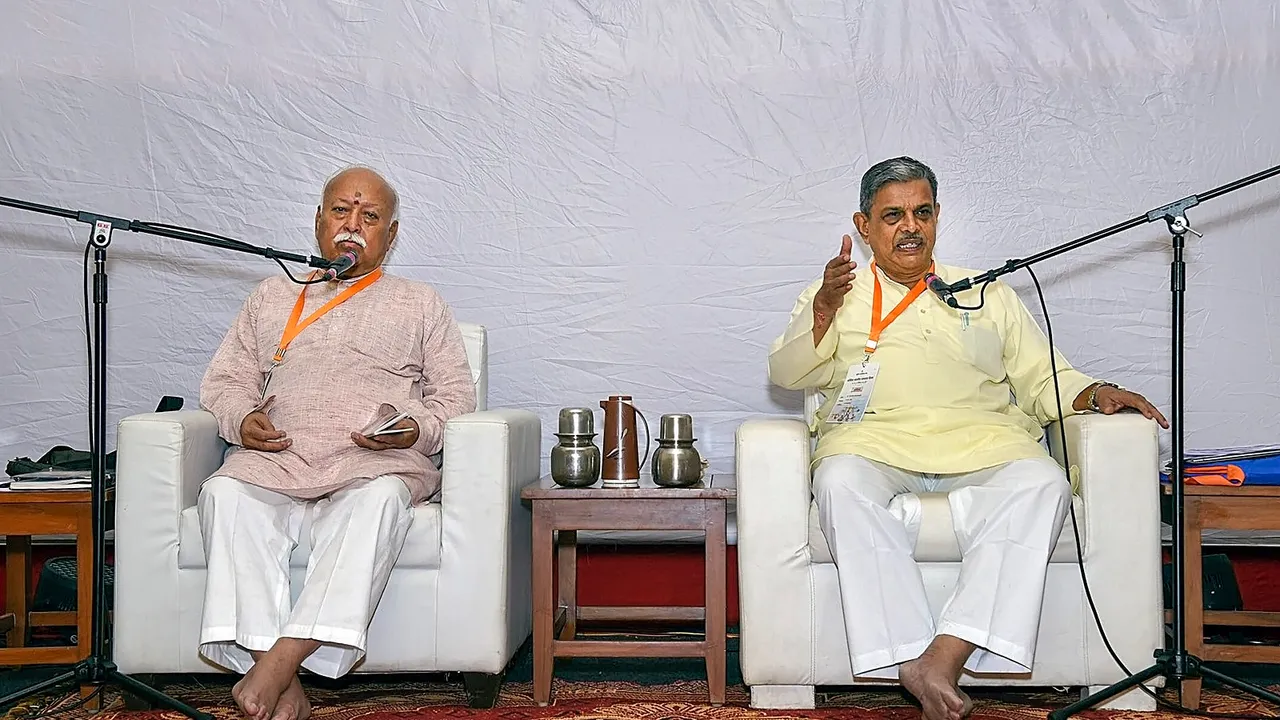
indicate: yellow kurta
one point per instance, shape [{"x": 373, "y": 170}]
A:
[{"x": 957, "y": 391}]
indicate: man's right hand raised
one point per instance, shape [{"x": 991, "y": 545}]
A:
[
  {"x": 257, "y": 433},
  {"x": 837, "y": 280}
]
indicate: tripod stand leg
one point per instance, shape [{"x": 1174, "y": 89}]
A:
[
  {"x": 1107, "y": 693},
  {"x": 1239, "y": 684},
  {"x": 37, "y": 688},
  {"x": 155, "y": 696}
]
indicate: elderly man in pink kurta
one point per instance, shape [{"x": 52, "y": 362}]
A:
[{"x": 303, "y": 371}]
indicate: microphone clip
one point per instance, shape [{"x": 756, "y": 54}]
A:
[
  {"x": 342, "y": 264},
  {"x": 941, "y": 289}
]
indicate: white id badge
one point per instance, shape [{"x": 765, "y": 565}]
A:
[{"x": 855, "y": 395}]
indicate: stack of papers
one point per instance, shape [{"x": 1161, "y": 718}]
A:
[
  {"x": 1218, "y": 456},
  {"x": 384, "y": 423},
  {"x": 51, "y": 480}
]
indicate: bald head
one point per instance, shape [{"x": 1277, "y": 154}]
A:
[
  {"x": 357, "y": 215},
  {"x": 371, "y": 175}
]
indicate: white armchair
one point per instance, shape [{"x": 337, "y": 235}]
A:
[
  {"x": 792, "y": 627},
  {"x": 458, "y": 599}
]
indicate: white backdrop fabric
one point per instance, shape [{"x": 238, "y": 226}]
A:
[{"x": 630, "y": 194}]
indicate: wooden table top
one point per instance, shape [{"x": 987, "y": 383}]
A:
[
  {"x": 8, "y": 496},
  {"x": 718, "y": 486}
]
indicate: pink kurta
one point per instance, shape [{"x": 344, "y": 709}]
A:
[{"x": 395, "y": 342}]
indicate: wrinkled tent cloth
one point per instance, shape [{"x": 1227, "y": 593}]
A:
[{"x": 631, "y": 195}]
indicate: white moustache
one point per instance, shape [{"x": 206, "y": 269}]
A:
[{"x": 345, "y": 236}]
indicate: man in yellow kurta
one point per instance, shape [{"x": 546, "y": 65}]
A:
[{"x": 922, "y": 397}]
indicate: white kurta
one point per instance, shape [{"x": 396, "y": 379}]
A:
[
  {"x": 249, "y": 533},
  {"x": 1007, "y": 520}
]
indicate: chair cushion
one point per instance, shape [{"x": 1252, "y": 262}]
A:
[
  {"x": 421, "y": 546},
  {"x": 936, "y": 542}
]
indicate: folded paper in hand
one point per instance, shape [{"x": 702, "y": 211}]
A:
[{"x": 383, "y": 424}]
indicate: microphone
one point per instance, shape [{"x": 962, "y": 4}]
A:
[
  {"x": 941, "y": 289},
  {"x": 345, "y": 262}
]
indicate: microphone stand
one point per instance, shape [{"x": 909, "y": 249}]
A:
[
  {"x": 1173, "y": 664},
  {"x": 98, "y": 668}
]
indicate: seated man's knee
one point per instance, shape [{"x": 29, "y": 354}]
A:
[
  {"x": 1046, "y": 479},
  {"x": 386, "y": 490},
  {"x": 218, "y": 489},
  {"x": 842, "y": 475}
]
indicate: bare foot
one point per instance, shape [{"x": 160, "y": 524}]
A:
[
  {"x": 258, "y": 692},
  {"x": 293, "y": 704},
  {"x": 938, "y": 694},
  {"x": 247, "y": 701}
]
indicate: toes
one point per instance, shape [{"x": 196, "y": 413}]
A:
[
  {"x": 284, "y": 710},
  {"x": 287, "y": 710},
  {"x": 293, "y": 704},
  {"x": 251, "y": 707},
  {"x": 936, "y": 711},
  {"x": 959, "y": 706}
]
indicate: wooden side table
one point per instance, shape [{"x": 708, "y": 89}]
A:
[
  {"x": 649, "y": 507},
  {"x": 27, "y": 513},
  {"x": 1248, "y": 507}
]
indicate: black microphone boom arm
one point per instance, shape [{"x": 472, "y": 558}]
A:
[
  {"x": 104, "y": 224},
  {"x": 1171, "y": 213},
  {"x": 99, "y": 668}
]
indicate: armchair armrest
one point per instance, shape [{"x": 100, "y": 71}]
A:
[
  {"x": 1114, "y": 463},
  {"x": 774, "y": 586},
  {"x": 485, "y": 591},
  {"x": 162, "y": 458}
]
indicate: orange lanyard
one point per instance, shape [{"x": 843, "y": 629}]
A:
[
  {"x": 878, "y": 325},
  {"x": 294, "y": 327}
]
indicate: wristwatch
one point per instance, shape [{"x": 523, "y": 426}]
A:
[{"x": 1092, "y": 403}]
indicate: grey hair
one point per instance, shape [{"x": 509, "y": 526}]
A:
[
  {"x": 395, "y": 197},
  {"x": 899, "y": 169}
]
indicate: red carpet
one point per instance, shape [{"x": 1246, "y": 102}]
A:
[{"x": 600, "y": 701}]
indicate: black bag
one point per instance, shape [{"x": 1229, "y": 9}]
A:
[
  {"x": 59, "y": 458},
  {"x": 65, "y": 458}
]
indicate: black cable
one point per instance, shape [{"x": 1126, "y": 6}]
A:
[
  {"x": 55, "y": 709},
  {"x": 982, "y": 298},
  {"x": 1075, "y": 528},
  {"x": 140, "y": 226},
  {"x": 296, "y": 280},
  {"x": 89, "y": 340},
  {"x": 144, "y": 226}
]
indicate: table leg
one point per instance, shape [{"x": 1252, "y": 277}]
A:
[
  {"x": 84, "y": 582},
  {"x": 543, "y": 604},
  {"x": 17, "y": 586},
  {"x": 567, "y": 566},
  {"x": 1193, "y": 584},
  {"x": 716, "y": 599}
]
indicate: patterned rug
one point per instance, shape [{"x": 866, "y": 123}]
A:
[{"x": 593, "y": 701}]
